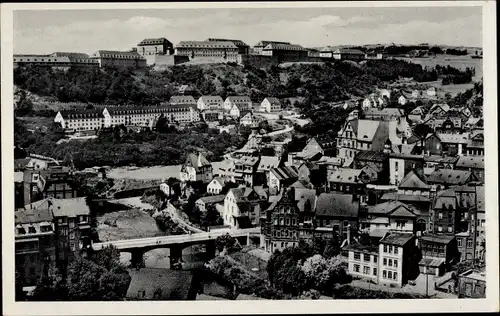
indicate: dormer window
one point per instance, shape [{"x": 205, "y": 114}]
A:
[
  {"x": 21, "y": 231},
  {"x": 31, "y": 230}
]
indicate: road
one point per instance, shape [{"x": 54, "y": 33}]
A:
[
  {"x": 287, "y": 129},
  {"x": 173, "y": 239}
]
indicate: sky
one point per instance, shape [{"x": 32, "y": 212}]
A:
[{"x": 47, "y": 31}]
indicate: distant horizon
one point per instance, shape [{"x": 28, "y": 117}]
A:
[
  {"x": 86, "y": 31},
  {"x": 342, "y": 45}
]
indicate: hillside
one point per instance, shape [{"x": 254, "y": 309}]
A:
[{"x": 328, "y": 82}]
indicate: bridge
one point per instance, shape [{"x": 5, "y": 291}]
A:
[{"x": 137, "y": 247}]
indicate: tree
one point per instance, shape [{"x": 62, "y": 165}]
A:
[
  {"x": 421, "y": 131},
  {"x": 321, "y": 274},
  {"x": 51, "y": 287},
  {"x": 211, "y": 217},
  {"x": 226, "y": 241}
]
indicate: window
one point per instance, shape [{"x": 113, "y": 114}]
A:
[
  {"x": 390, "y": 248},
  {"x": 31, "y": 230},
  {"x": 450, "y": 229},
  {"x": 366, "y": 257},
  {"x": 374, "y": 271},
  {"x": 384, "y": 274},
  {"x": 385, "y": 248},
  {"x": 440, "y": 215},
  {"x": 440, "y": 228},
  {"x": 356, "y": 268},
  {"x": 396, "y": 165},
  {"x": 395, "y": 275},
  {"x": 357, "y": 256},
  {"x": 395, "y": 263},
  {"x": 390, "y": 262},
  {"x": 396, "y": 250},
  {"x": 385, "y": 261},
  {"x": 389, "y": 274},
  {"x": 375, "y": 258},
  {"x": 366, "y": 270},
  {"x": 469, "y": 242}
]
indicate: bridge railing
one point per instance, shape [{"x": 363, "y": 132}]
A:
[{"x": 173, "y": 239}]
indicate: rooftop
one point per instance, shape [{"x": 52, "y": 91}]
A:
[
  {"x": 345, "y": 175},
  {"x": 470, "y": 162},
  {"x": 442, "y": 239},
  {"x": 337, "y": 205},
  {"x": 70, "y": 207},
  {"x": 34, "y": 213},
  {"x": 206, "y": 44},
  {"x": 449, "y": 176},
  {"x": 372, "y": 249},
  {"x": 369, "y": 155},
  {"x": 212, "y": 199},
  {"x": 285, "y": 173},
  {"x": 397, "y": 239},
  {"x": 154, "y": 41},
  {"x": 474, "y": 274}
]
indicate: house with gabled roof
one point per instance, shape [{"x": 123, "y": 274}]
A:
[
  {"x": 449, "y": 177},
  {"x": 196, "y": 168},
  {"x": 249, "y": 119},
  {"x": 266, "y": 164},
  {"x": 242, "y": 102},
  {"x": 282, "y": 177},
  {"x": 270, "y": 105},
  {"x": 474, "y": 164},
  {"x": 475, "y": 144},
  {"x": 412, "y": 190},
  {"x": 311, "y": 152},
  {"x": 352, "y": 181},
  {"x": 244, "y": 206},
  {"x": 336, "y": 216},
  {"x": 392, "y": 216},
  {"x": 210, "y": 102}
]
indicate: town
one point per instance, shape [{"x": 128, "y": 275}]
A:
[{"x": 390, "y": 204}]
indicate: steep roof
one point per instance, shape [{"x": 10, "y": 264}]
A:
[
  {"x": 454, "y": 138},
  {"x": 154, "y": 41},
  {"x": 470, "y": 162},
  {"x": 441, "y": 239},
  {"x": 440, "y": 159},
  {"x": 345, "y": 175},
  {"x": 34, "y": 213},
  {"x": 370, "y": 155},
  {"x": 197, "y": 161},
  {"x": 449, "y": 176},
  {"x": 268, "y": 162},
  {"x": 311, "y": 149},
  {"x": 273, "y": 100},
  {"x": 117, "y": 54},
  {"x": 392, "y": 208},
  {"x": 206, "y": 44},
  {"x": 396, "y": 239},
  {"x": 211, "y": 98},
  {"x": 285, "y": 173},
  {"x": 182, "y": 99},
  {"x": 367, "y": 129},
  {"x": 336, "y": 205},
  {"x": 241, "y": 98},
  {"x": 274, "y": 46},
  {"x": 236, "y": 42},
  {"x": 212, "y": 199},
  {"x": 414, "y": 180}
]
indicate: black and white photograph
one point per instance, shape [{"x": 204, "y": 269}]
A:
[{"x": 331, "y": 152}]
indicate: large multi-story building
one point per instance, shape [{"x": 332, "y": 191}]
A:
[
  {"x": 112, "y": 116},
  {"x": 243, "y": 48},
  {"x": 72, "y": 228},
  {"x": 243, "y": 103},
  {"x": 398, "y": 259},
  {"x": 259, "y": 47},
  {"x": 155, "y": 46},
  {"x": 282, "y": 219},
  {"x": 222, "y": 51},
  {"x": 34, "y": 242},
  {"x": 117, "y": 59},
  {"x": 210, "y": 102},
  {"x": 376, "y": 135},
  {"x": 57, "y": 60},
  {"x": 285, "y": 52}
]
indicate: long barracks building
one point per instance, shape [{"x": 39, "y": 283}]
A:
[{"x": 110, "y": 116}]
